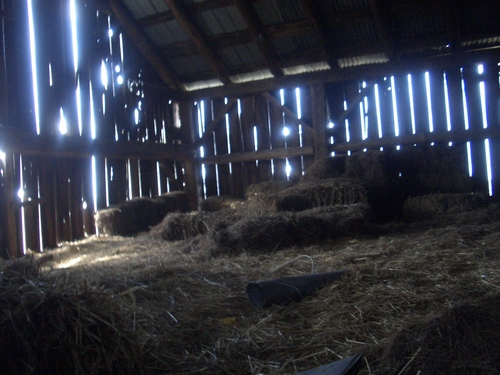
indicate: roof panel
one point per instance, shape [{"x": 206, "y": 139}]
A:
[
  {"x": 221, "y": 20},
  {"x": 301, "y": 42},
  {"x": 242, "y": 54},
  {"x": 166, "y": 33},
  {"x": 347, "y": 5},
  {"x": 191, "y": 64},
  {"x": 279, "y": 11},
  {"x": 143, "y": 8}
]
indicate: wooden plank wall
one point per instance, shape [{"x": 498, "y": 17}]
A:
[{"x": 57, "y": 204}]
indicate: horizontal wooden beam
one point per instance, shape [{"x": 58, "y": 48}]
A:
[
  {"x": 78, "y": 147},
  {"x": 419, "y": 139},
  {"x": 364, "y": 72},
  {"x": 239, "y": 157}
]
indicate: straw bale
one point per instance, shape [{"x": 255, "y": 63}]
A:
[
  {"x": 430, "y": 284},
  {"x": 434, "y": 205},
  {"x": 49, "y": 331},
  {"x": 326, "y": 168},
  {"x": 279, "y": 231},
  {"x": 320, "y": 193},
  {"x": 139, "y": 214},
  {"x": 218, "y": 203},
  {"x": 266, "y": 188},
  {"x": 462, "y": 340},
  {"x": 374, "y": 168}
]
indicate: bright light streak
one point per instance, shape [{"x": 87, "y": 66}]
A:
[
  {"x": 394, "y": 107},
  {"x": 34, "y": 74},
  {"x": 282, "y": 97},
  {"x": 288, "y": 169},
  {"x": 63, "y": 125},
  {"x": 447, "y": 102},
  {"x": 412, "y": 107},
  {"x": 255, "y": 139},
  {"x": 286, "y": 131},
  {"x": 298, "y": 101},
  {"x": 3, "y": 156},
  {"x": 79, "y": 107},
  {"x": 480, "y": 68},
  {"x": 136, "y": 116},
  {"x": 488, "y": 166},
  {"x": 377, "y": 105},
  {"x": 110, "y": 33},
  {"x": 119, "y": 79},
  {"x": 482, "y": 94},
  {"x": 104, "y": 75},
  {"x": 74, "y": 38},
  {"x": 92, "y": 114},
  {"x": 158, "y": 177},
  {"x": 466, "y": 124},
  {"x": 429, "y": 101}
]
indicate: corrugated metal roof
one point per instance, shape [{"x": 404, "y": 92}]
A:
[
  {"x": 426, "y": 24},
  {"x": 198, "y": 85},
  {"x": 220, "y": 20},
  {"x": 279, "y": 11},
  {"x": 377, "y": 58},
  {"x": 143, "y": 8},
  {"x": 241, "y": 54},
  {"x": 354, "y": 32},
  {"x": 191, "y": 64},
  {"x": 307, "y": 68},
  {"x": 166, "y": 33},
  {"x": 252, "y": 76},
  {"x": 302, "y": 42},
  {"x": 348, "y": 5}
]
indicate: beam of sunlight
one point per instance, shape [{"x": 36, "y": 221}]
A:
[
  {"x": 129, "y": 178},
  {"x": 412, "y": 106},
  {"x": 488, "y": 166},
  {"x": 429, "y": 100},
  {"x": 447, "y": 102},
  {"x": 466, "y": 124},
  {"x": 79, "y": 107},
  {"x": 74, "y": 35},
  {"x": 21, "y": 195},
  {"x": 377, "y": 107},
  {"x": 93, "y": 129},
  {"x": 63, "y": 124},
  {"x": 40, "y": 231},
  {"x": 282, "y": 97},
  {"x": 94, "y": 183},
  {"x": 106, "y": 179},
  {"x": 482, "y": 94},
  {"x": 346, "y": 124},
  {"x": 394, "y": 106},
  {"x": 34, "y": 74},
  {"x": 104, "y": 75},
  {"x": 286, "y": 131},
  {"x": 158, "y": 177}
]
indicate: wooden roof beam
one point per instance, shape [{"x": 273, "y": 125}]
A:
[
  {"x": 144, "y": 45},
  {"x": 195, "y": 34},
  {"x": 383, "y": 29},
  {"x": 192, "y": 8},
  {"x": 321, "y": 32},
  {"x": 259, "y": 35}
]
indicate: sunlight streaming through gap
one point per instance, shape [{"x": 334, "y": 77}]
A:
[
  {"x": 482, "y": 94},
  {"x": 201, "y": 130},
  {"x": 94, "y": 183},
  {"x": 104, "y": 75},
  {"x": 429, "y": 101},
  {"x": 63, "y": 124},
  {"x": 412, "y": 107},
  {"x": 447, "y": 102},
  {"x": 346, "y": 124},
  {"x": 158, "y": 177},
  {"x": 129, "y": 178},
  {"x": 377, "y": 105},
  {"x": 228, "y": 137},
  {"x": 394, "y": 107},
  {"x": 21, "y": 194},
  {"x": 74, "y": 38},
  {"x": 40, "y": 227},
  {"x": 106, "y": 179},
  {"x": 34, "y": 74},
  {"x": 466, "y": 124},
  {"x": 92, "y": 114}
]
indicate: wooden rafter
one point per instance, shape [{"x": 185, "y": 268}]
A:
[
  {"x": 144, "y": 45},
  {"x": 192, "y": 8},
  {"x": 259, "y": 36},
  {"x": 210, "y": 128},
  {"x": 322, "y": 34},
  {"x": 382, "y": 27},
  {"x": 195, "y": 34}
]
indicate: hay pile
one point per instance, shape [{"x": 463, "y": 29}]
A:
[
  {"x": 139, "y": 214},
  {"x": 418, "y": 297}
]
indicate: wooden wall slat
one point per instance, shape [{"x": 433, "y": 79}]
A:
[
  {"x": 403, "y": 105},
  {"x": 293, "y": 139},
  {"x": 247, "y": 120},
  {"x": 209, "y": 150},
  {"x": 277, "y": 140},
  {"x": 235, "y": 138},
  {"x": 263, "y": 136},
  {"x": 220, "y": 134},
  {"x": 491, "y": 77},
  {"x": 13, "y": 212},
  {"x": 438, "y": 101},
  {"x": 420, "y": 102},
  {"x": 48, "y": 214}
]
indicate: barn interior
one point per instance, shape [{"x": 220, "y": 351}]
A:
[{"x": 168, "y": 166}]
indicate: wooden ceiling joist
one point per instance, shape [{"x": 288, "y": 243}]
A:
[
  {"x": 259, "y": 35},
  {"x": 195, "y": 34},
  {"x": 383, "y": 29},
  {"x": 321, "y": 32},
  {"x": 145, "y": 46}
]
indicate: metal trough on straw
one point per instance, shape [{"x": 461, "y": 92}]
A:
[{"x": 265, "y": 293}]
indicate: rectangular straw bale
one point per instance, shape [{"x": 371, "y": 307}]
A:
[{"x": 139, "y": 214}]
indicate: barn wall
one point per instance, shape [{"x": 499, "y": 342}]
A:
[
  {"x": 118, "y": 128},
  {"x": 457, "y": 107}
]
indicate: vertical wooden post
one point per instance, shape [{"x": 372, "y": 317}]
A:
[
  {"x": 12, "y": 216},
  {"x": 191, "y": 178},
  {"x": 319, "y": 121}
]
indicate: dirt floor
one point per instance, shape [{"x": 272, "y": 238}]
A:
[{"x": 421, "y": 297}]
